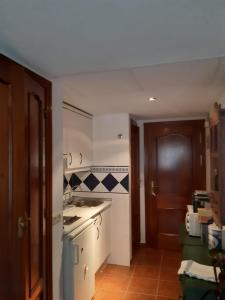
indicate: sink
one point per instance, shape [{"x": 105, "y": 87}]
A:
[{"x": 86, "y": 202}]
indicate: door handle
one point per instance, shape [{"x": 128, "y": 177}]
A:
[
  {"x": 22, "y": 225},
  {"x": 153, "y": 186}
]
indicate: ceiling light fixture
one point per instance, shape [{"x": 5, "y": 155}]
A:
[{"x": 152, "y": 99}]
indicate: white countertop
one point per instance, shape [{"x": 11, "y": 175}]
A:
[{"x": 85, "y": 213}]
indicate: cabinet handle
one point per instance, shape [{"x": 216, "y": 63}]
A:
[
  {"x": 85, "y": 270},
  {"x": 101, "y": 219},
  {"x": 71, "y": 159},
  {"x": 98, "y": 233},
  {"x": 81, "y": 158}
]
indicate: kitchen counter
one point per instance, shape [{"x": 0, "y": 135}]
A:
[{"x": 85, "y": 213}]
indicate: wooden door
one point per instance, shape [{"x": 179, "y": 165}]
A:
[
  {"x": 25, "y": 184},
  {"x": 135, "y": 185},
  {"x": 174, "y": 168},
  {"x": 5, "y": 189},
  {"x": 36, "y": 191}
]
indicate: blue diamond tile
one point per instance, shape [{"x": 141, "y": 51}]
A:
[
  {"x": 125, "y": 182},
  {"x": 91, "y": 182},
  {"x": 65, "y": 183},
  {"x": 109, "y": 182},
  {"x": 74, "y": 181}
]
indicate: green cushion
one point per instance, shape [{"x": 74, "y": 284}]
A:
[
  {"x": 185, "y": 239},
  {"x": 194, "y": 289}
]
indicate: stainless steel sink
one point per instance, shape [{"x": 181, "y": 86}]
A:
[{"x": 88, "y": 202}]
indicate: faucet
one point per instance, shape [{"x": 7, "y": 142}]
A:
[
  {"x": 75, "y": 186},
  {"x": 68, "y": 197}
]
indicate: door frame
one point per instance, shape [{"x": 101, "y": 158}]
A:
[
  {"x": 135, "y": 176},
  {"x": 197, "y": 183}
]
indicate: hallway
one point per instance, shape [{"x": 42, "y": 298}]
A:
[{"x": 152, "y": 276}]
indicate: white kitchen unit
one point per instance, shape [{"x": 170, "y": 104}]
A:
[
  {"x": 77, "y": 138},
  {"x": 101, "y": 238},
  {"x": 85, "y": 244},
  {"x": 80, "y": 280}
]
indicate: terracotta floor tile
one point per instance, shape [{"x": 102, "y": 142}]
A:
[
  {"x": 143, "y": 285},
  {"x": 172, "y": 254},
  {"x": 168, "y": 273},
  {"x": 106, "y": 295},
  {"x": 147, "y": 271},
  {"x": 114, "y": 269},
  {"x": 133, "y": 296},
  {"x": 169, "y": 289},
  {"x": 164, "y": 298},
  {"x": 171, "y": 262},
  {"x": 150, "y": 252},
  {"x": 114, "y": 282},
  {"x": 148, "y": 261},
  {"x": 98, "y": 282}
]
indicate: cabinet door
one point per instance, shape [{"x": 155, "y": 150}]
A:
[
  {"x": 102, "y": 242},
  {"x": 85, "y": 141},
  {"x": 84, "y": 279},
  {"x": 77, "y": 139},
  {"x": 104, "y": 235},
  {"x": 97, "y": 243}
]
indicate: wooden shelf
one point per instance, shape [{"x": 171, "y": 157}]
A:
[{"x": 217, "y": 156}]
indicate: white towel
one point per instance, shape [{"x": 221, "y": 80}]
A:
[{"x": 196, "y": 270}]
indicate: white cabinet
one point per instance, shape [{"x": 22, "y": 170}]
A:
[
  {"x": 84, "y": 273},
  {"x": 77, "y": 139},
  {"x": 102, "y": 238},
  {"x": 78, "y": 268}
]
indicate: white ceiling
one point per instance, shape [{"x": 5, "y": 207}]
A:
[
  {"x": 112, "y": 55},
  {"x": 60, "y": 37},
  {"x": 186, "y": 89}
]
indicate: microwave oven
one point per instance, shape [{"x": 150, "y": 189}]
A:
[{"x": 192, "y": 222}]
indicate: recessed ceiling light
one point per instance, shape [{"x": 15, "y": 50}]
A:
[{"x": 152, "y": 99}]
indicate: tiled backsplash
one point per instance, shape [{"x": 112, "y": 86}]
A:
[{"x": 99, "y": 180}]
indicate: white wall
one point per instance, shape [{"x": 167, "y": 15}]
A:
[
  {"x": 57, "y": 189},
  {"x": 108, "y": 149},
  {"x": 111, "y": 151}
]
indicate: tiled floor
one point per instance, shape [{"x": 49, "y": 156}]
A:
[{"x": 152, "y": 276}]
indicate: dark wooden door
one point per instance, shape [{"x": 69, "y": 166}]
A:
[
  {"x": 36, "y": 191},
  {"x": 135, "y": 185},
  {"x": 174, "y": 168},
  {"x": 25, "y": 184},
  {"x": 5, "y": 188}
]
